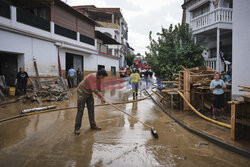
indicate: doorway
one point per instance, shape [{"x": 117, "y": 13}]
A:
[
  {"x": 75, "y": 61},
  {"x": 101, "y": 67},
  {"x": 8, "y": 67}
]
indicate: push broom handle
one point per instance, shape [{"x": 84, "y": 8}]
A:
[{"x": 129, "y": 115}]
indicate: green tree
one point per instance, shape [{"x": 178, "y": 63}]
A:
[
  {"x": 173, "y": 47},
  {"x": 129, "y": 59}
]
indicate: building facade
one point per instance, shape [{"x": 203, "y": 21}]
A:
[
  {"x": 52, "y": 33},
  {"x": 241, "y": 43},
  {"x": 112, "y": 23},
  {"x": 211, "y": 24}
]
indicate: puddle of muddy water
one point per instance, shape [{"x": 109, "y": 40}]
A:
[{"x": 48, "y": 139}]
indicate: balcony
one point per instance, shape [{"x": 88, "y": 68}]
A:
[
  {"x": 210, "y": 62},
  {"x": 109, "y": 25},
  {"x": 219, "y": 15},
  {"x": 104, "y": 50}
]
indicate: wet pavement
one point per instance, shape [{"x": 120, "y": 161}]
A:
[{"x": 48, "y": 139}]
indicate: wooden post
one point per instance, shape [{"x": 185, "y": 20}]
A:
[
  {"x": 172, "y": 100},
  {"x": 233, "y": 106},
  {"x": 186, "y": 89},
  {"x": 37, "y": 74}
]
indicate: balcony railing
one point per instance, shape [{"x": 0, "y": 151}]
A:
[
  {"x": 210, "y": 62},
  {"x": 104, "y": 50},
  {"x": 219, "y": 15}
]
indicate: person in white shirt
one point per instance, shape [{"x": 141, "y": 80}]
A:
[{"x": 71, "y": 77}]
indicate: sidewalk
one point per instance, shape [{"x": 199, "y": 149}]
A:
[{"x": 215, "y": 133}]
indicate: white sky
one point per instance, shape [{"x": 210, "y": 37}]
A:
[{"x": 142, "y": 16}]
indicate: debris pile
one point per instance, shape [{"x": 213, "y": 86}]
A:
[
  {"x": 200, "y": 77},
  {"x": 49, "y": 91},
  {"x": 195, "y": 85}
]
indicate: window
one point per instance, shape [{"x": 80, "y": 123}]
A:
[
  {"x": 4, "y": 10},
  {"x": 101, "y": 67},
  {"x": 42, "y": 12},
  {"x": 65, "y": 32},
  {"x": 26, "y": 16},
  {"x": 113, "y": 71},
  {"x": 87, "y": 40},
  {"x": 201, "y": 10},
  {"x": 110, "y": 52}
]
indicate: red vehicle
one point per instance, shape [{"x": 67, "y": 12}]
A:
[
  {"x": 124, "y": 72},
  {"x": 142, "y": 66}
]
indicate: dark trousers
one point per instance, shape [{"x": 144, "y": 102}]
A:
[
  {"x": 81, "y": 100},
  {"x": 21, "y": 88},
  {"x": 135, "y": 89},
  {"x": 71, "y": 82},
  {"x": 146, "y": 79},
  {"x": 79, "y": 79}
]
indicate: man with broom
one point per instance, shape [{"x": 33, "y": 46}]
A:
[{"x": 91, "y": 84}]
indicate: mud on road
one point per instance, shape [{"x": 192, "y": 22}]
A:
[{"x": 48, "y": 139}]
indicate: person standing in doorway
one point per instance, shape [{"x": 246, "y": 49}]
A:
[
  {"x": 90, "y": 84},
  {"x": 71, "y": 77},
  {"x": 79, "y": 75},
  {"x": 22, "y": 80},
  {"x": 217, "y": 85}
]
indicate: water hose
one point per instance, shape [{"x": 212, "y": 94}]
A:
[
  {"x": 68, "y": 108},
  {"x": 197, "y": 112}
]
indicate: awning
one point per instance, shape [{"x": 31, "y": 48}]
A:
[{"x": 106, "y": 39}]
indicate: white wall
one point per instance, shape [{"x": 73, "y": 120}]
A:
[
  {"x": 30, "y": 42},
  {"x": 110, "y": 31},
  {"x": 108, "y": 62},
  {"x": 241, "y": 45},
  {"x": 28, "y": 48},
  {"x": 90, "y": 61}
]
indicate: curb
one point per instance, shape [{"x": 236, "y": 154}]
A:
[{"x": 216, "y": 141}]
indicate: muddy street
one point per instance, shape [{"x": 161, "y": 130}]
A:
[{"x": 48, "y": 139}]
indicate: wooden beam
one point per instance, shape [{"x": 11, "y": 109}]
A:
[{"x": 233, "y": 107}]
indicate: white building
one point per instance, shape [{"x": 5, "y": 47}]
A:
[
  {"x": 50, "y": 32},
  {"x": 241, "y": 46},
  {"x": 211, "y": 24},
  {"x": 112, "y": 23}
]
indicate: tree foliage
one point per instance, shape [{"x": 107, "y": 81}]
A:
[
  {"x": 173, "y": 47},
  {"x": 129, "y": 59}
]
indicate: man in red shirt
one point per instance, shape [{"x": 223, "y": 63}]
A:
[{"x": 91, "y": 84}]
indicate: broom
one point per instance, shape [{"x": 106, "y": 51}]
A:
[{"x": 153, "y": 131}]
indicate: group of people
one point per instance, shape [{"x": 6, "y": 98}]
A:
[
  {"x": 22, "y": 79},
  {"x": 72, "y": 75},
  {"x": 91, "y": 85}
]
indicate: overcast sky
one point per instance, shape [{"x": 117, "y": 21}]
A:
[{"x": 142, "y": 16}]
